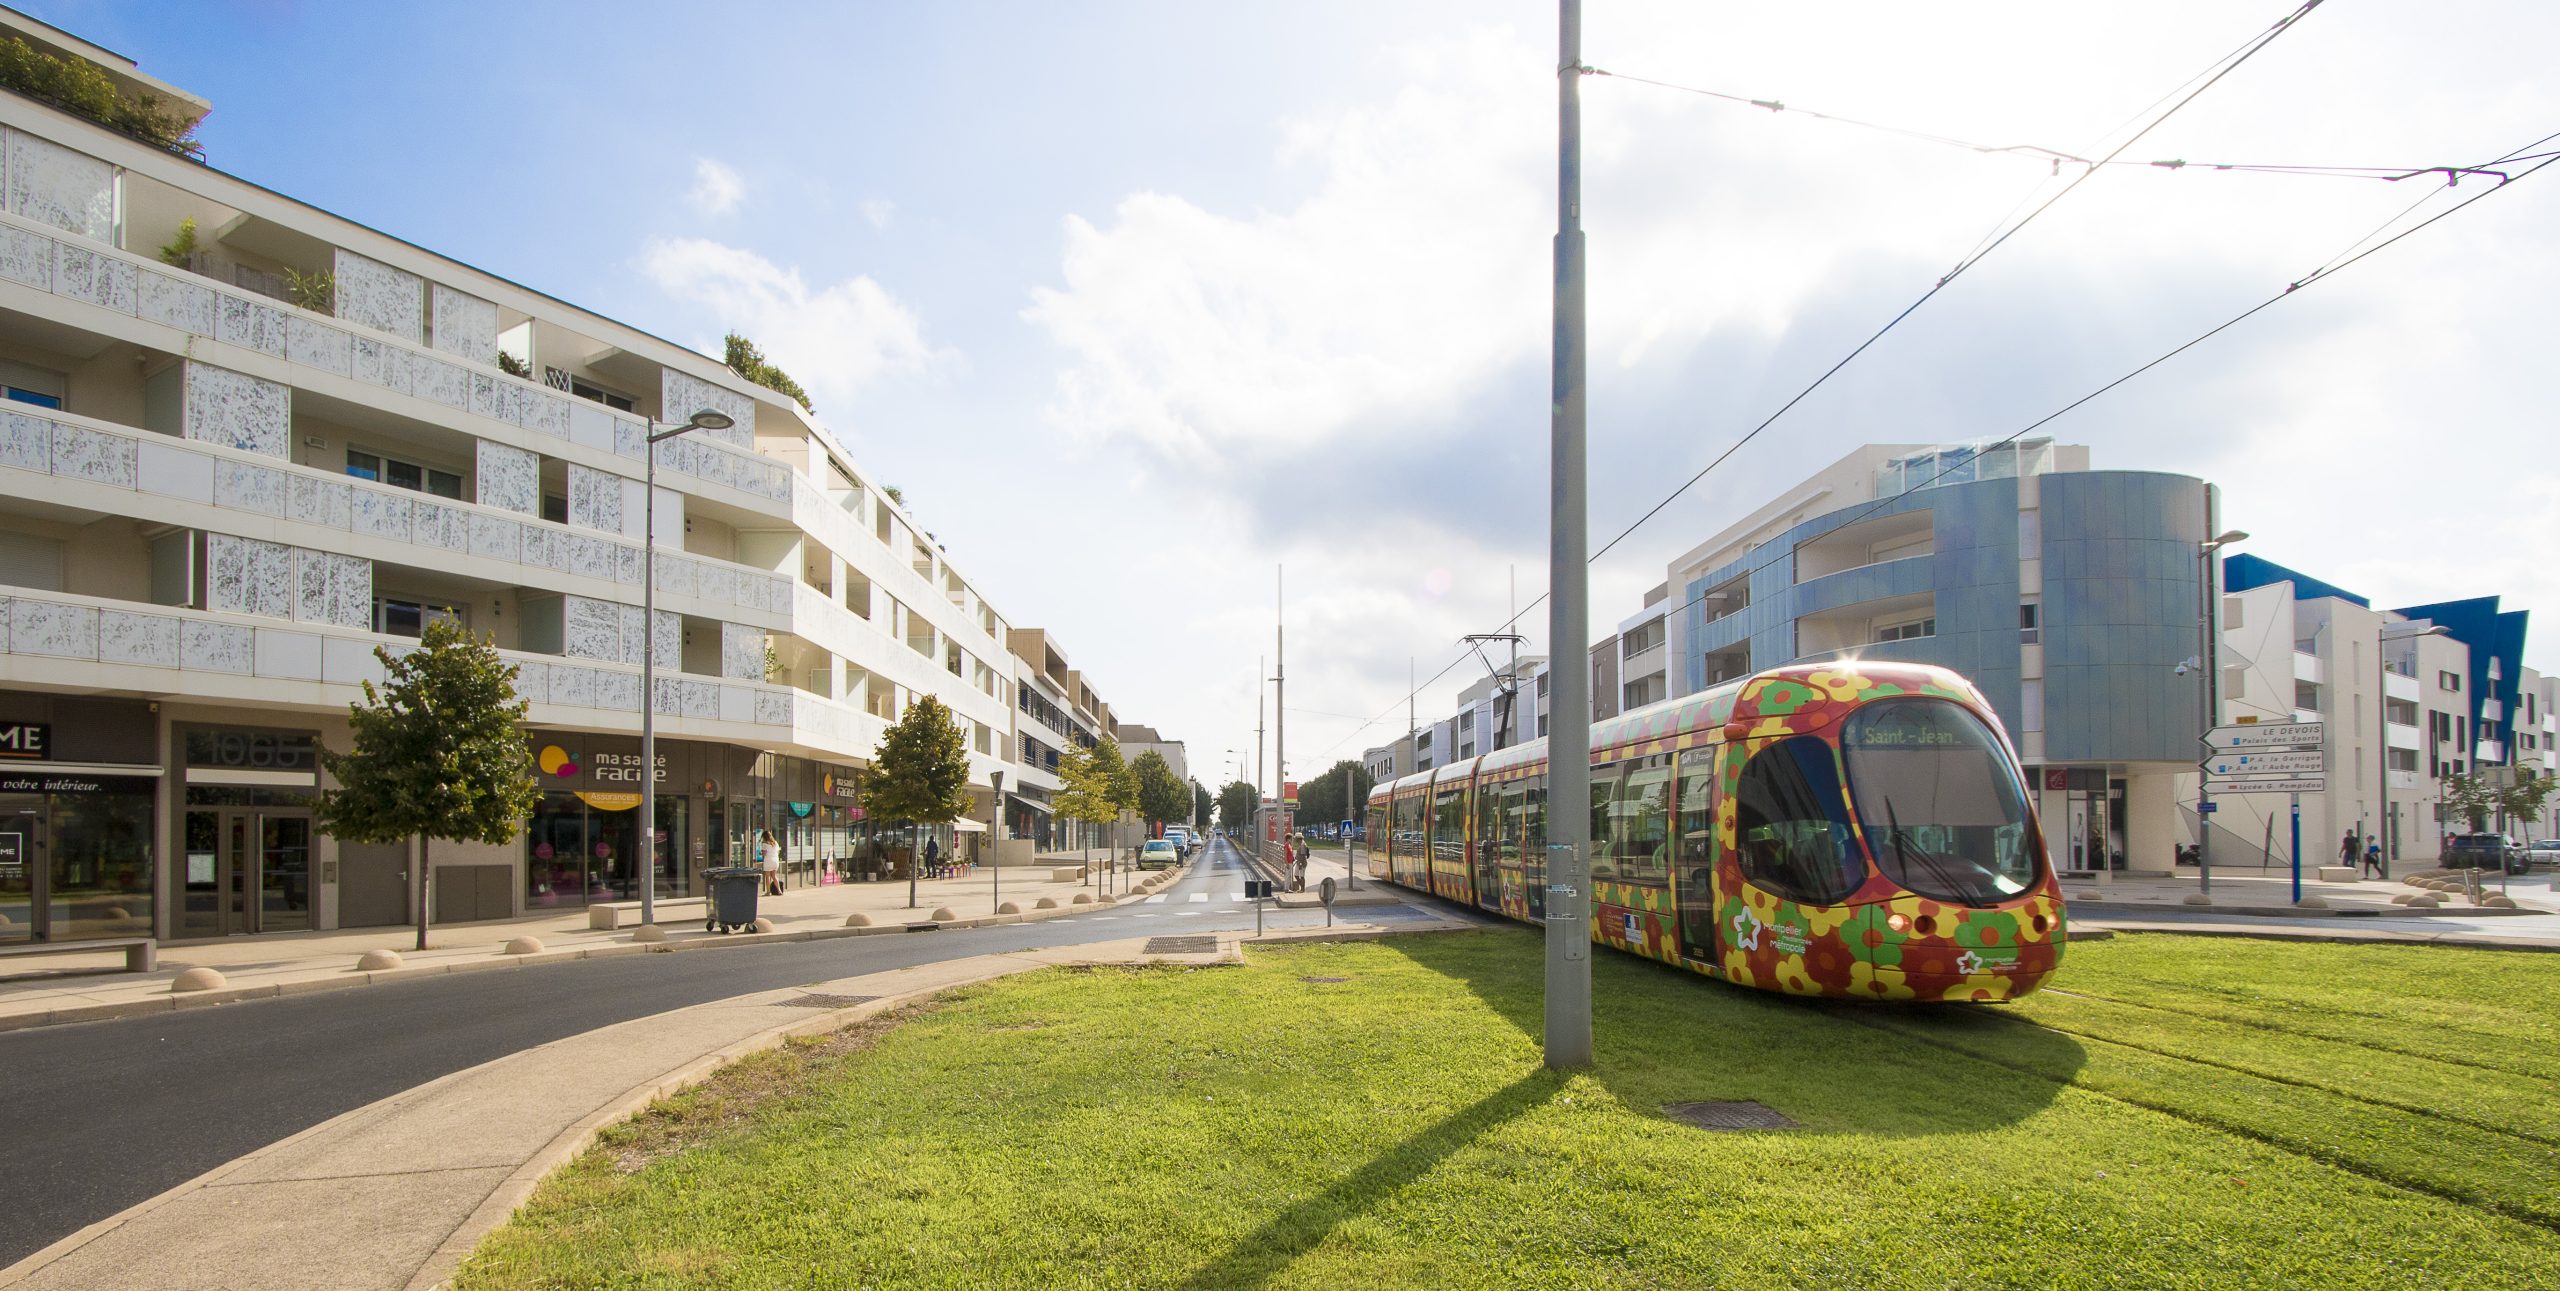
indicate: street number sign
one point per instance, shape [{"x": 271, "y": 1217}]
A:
[{"x": 2267, "y": 735}]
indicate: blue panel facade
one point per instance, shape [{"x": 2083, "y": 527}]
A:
[
  {"x": 2478, "y": 624},
  {"x": 2243, "y": 572}
]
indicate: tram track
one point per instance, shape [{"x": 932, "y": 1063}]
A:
[
  {"x": 2530, "y": 1153},
  {"x": 2305, "y": 1033}
]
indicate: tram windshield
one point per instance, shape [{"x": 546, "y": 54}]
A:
[{"x": 1941, "y": 807}]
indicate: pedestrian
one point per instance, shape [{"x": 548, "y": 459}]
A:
[
  {"x": 933, "y": 858},
  {"x": 2347, "y": 849},
  {"x": 769, "y": 859},
  {"x": 2373, "y": 858}
]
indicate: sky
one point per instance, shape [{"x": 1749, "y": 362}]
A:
[{"x": 1143, "y": 303}]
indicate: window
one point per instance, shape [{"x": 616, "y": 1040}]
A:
[
  {"x": 36, "y": 397},
  {"x": 1908, "y": 631},
  {"x": 1792, "y": 826},
  {"x": 2404, "y": 759},
  {"x": 2306, "y": 695},
  {"x": 1639, "y": 822},
  {"x": 1642, "y": 639},
  {"x": 1941, "y": 804},
  {"x": 600, "y": 395},
  {"x": 2449, "y": 681},
  {"x": 408, "y": 475},
  {"x": 555, "y": 508},
  {"x": 1449, "y": 827},
  {"x": 398, "y": 617},
  {"x": 2400, "y": 712},
  {"x": 2030, "y": 622}
]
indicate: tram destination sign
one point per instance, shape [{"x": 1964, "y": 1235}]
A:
[
  {"x": 2292, "y": 784},
  {"x": 2268, "y": 735},
  {"x": 2264, "y": 762}
]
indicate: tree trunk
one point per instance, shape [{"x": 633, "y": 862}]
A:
[{"x": 422, "y": 892}]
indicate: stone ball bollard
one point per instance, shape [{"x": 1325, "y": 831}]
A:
[
  {"x": 1083, "y": 898},
  {"x": 857, "y": 920},
  {"x": 762, "y": 924},
  {"x": 1009, "y": 908},
  {"x": 375, "y": 961},
  {"x": 2198, "y": 898},
  {"x": 649, "y": 934},
  {"x": 2425, "y": 900},
  {"x": 942, "y": 914},
  {"x": 198, "y": 979},
  {"x": 1045, "y": 903},
  {"x": 522, "y": 946},
  {"x": 2311, "y": 903},
  {"x": 2403, "y": 898}
]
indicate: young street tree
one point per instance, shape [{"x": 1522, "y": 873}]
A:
[
  {"x": 1086, "y": 795},
  {"x": 1200, "y": 804},
  {"x": 1162, "y": 799},
  {"x": 1236, "y": 803},
  {"x": 921, "y": 774},
  {"x": 1324, "y": 800},
  {"x": 439, "y": 752}
]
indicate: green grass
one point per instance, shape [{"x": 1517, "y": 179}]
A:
[{"x": 2287, "y": 1122}]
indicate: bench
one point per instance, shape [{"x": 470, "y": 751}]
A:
[
  {"x": 608, "y": 915},
  {"x": 141, "y": 954}
]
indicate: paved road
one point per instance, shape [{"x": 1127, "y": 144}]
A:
[{"x": 103, "y": 1115}]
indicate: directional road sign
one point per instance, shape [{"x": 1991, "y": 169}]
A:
[
  {"x": 2267, "y": 735},
  {"x": 2298, "y": 784},
  {"x": 2285, "y": 762}
]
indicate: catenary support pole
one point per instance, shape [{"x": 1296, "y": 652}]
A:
[
  {"x": 648, "y": 683},
  {"x": 1280, "y": 695},
  {"x": 1568, "y": 1018},
  {"x": 995, "y": 826}
]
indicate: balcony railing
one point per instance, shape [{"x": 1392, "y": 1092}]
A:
[
  {"x": 127, "y": 284},
  {"x": 71, "y": 447}
]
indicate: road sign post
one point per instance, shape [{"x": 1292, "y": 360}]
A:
[{"x": 2297, "y": 849}]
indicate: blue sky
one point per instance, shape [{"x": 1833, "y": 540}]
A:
[{"x": 1136, "y": 299}]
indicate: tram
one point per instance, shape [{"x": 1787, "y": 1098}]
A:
[{"x": 1856, "y": 830}]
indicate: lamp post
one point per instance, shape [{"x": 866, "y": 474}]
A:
[
  {"x": 995, "y": 822},
  {"x": 2208, "y": 660},
  {"x": 2407, "y": 631},
  {"x": 702, "y": 419}
]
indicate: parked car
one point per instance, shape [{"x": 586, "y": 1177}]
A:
[
  {"x": 2486, "y": 852},
  {"x": 1158, "y": 854}
]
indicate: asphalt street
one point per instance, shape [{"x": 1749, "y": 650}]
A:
[{"x": 109, "y": 1114}]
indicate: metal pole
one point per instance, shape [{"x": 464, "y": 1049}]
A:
[
  {"x": 1280, "y": 694},
  {"x": 649, "y": 684},
  {"x": 2381, "y": 749},
  {"x": 2205, "y": 659},
  {"x": 995, "y": 822},
  {"x": 1258, "y": 715},
  {"x": 1568, "y": 1014},
  {"x": 2297, "y": 844}
]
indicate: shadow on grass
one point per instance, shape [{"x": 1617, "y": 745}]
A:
[
  {"x": 1300, "y": 1228},
  {"x": 1662, "y": 1035}
]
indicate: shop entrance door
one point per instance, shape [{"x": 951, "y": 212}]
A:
[{"x": 247, "y": 871}]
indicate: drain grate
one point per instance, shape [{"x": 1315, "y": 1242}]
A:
[
  {"x": 1182, "y": 945},
  {"x": 1324, "y": 981},
  {"x": 814, "y": 1001},
  {"x": 1728, "y": 1116}
]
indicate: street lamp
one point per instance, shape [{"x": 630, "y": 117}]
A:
[
  {"x": 2208, "y": 659},
  {"x": 995, "y": 823},
  {"x": 2406, "y": 631},
  {"x": 702, "y": 419}
]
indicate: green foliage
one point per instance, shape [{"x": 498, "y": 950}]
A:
[
  {"x": 513, "y": 366},
  {"x": 1321, "y": 801},
  {"x": 2474, "y": 798},
  {"x": 895, "y": 494},
  {"x": 1161, "y": 796},
  {"x": 744, "y": 359},
  {"x": 1236, "y": 804},
  {"x": 438, "y": 749},
  {"x": 79, "y": 87},
  {"x": 178, "y": 250},
  {"x": 921, "y": 774},
  {"x": 317, "y": 292},
  {"x": 1200, "y": 804},
  {"x": 1085, "y": 790}
]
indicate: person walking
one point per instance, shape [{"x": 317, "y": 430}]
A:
[
  {"x": 933, "y": 858},
  {"x": 769, "y": 859},
  {"x": 2373, "y": 858},
  {"x": 2347, "y": 849}
]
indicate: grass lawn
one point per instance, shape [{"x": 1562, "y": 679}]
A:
[{"x": 2180, "y": 1112}]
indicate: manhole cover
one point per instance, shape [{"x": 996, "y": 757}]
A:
[
  {"x": 825, "y": 1001},
  {"x": 1324, "y": 981},
  {"x": 1182, "y": 945},
  {"x": 1728, "y": 1116}
]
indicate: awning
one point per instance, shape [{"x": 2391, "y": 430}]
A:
[{"x": 969, "y": 826}]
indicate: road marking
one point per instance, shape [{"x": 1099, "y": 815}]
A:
[
  {"x": 1236, "y": 896},
  {"x": 1151, "y": 914},
  {"x": 1199, "y": 896},
  {"x": 1157, "y": 899}
]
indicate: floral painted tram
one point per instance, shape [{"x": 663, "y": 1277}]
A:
[{"x": 1853, "y": 830}]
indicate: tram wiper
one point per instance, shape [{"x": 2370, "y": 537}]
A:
[{"x": 1902, "y": 852}]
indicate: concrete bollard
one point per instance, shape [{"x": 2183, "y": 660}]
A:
[
  {"x": 376, "y": 961},
  {"x": 198, "y": 979},
  {"x": 942, "y": 914},
  {"x": 857, "y": 920},
  {"x": 1083, "y": 898},
  {"x": 762, "y": 924},
  {"x": 1008, "y": 908},
  {"x": 649, "y": 934},
  {"x": 1045, "y": 903},
  {"x": 2425, "y": 900},
  {"x": 523, "y": 946},
  {"x": 2198, "y": 898}
]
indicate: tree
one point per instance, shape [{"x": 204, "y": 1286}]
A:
[
  {"x": 1161, "y": 797},
  {"x": 438, "y": 751},
  {"x": 1200, "y": 804},
  {"x": 744, "y": 359},
  {"x": 1237, "y": 803},
  {"x": 1341, "y": 793},
  {"x": 1086, "y": 795},
  {"x": 2510, "y": 793},
  {"x": 921, "y": 774}
]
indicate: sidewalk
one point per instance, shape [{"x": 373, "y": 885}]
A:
[
  {"x": 90, "y": 985},
  {"x": 412, "y": 1183},
  {"x": 2270, "y": 892}
]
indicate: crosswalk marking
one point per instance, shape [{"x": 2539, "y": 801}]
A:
[
  {"x": 1148, "y": 914},
  {"x": 1157, "y": 899},
  {"x": 1199, "y": 896},
  {"x": 1235, "y": 896}
]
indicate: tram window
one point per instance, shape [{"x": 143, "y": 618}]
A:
[
  {"x": 1449, "y": 826},
  {"x": 1942, "y": 806},
  {"x": 1793, "y": 827},
  {"x": 1697, "y": 810},
  {"x": 1488, "y": 822},
  {"x": 1533, "y": 823},
  {"x": 1604, "y": 806},
  {"x": 1639, "y": 823}
]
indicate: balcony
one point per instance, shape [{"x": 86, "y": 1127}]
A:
[
  {"x": 2310, "y": 667},
  {"x": 218, "y": 488}
]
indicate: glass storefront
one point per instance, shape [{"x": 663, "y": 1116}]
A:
[
  {"x": 75, "y": 856},
  {"x": 582, "y": 848}
]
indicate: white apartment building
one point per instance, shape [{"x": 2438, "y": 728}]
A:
[{"x": 246, "y": 442}]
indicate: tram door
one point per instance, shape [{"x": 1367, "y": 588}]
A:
[{"x": 1693, "y": 872}]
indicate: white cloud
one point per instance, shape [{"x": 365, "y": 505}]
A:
[
  {"x": 879, "y": 211},
  {"x": 833, "y": 339},
  {"x": 717, "y": 189}
]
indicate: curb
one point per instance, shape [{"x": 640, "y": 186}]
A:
[
  {"x": 2376, "y": 937},
  {"x": 169, "y": 1002}
]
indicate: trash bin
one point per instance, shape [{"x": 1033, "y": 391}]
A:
[{"x": 734, "y": 889}]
